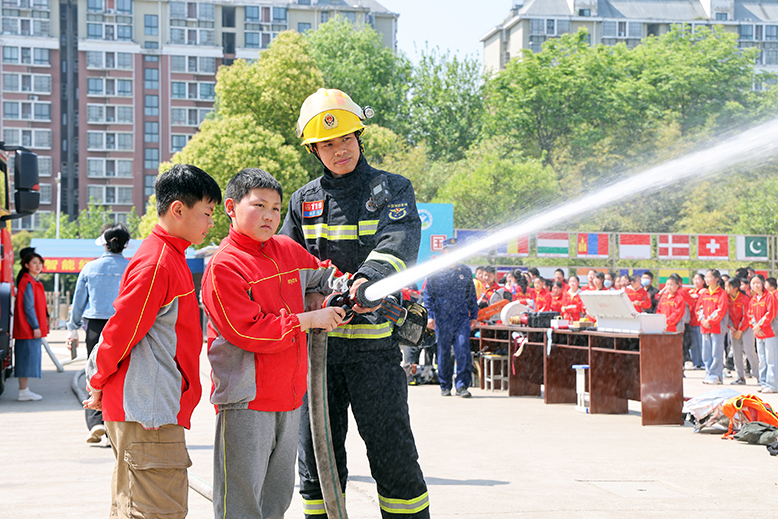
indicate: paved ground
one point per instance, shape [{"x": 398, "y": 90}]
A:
[{"x": 487, "y": 457}]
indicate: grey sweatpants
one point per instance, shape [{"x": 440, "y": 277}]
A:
[{"x": 254, "y": 463}]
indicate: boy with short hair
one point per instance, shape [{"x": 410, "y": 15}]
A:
[
  {"x": 253, "y": 291},
  {"x": 144, "y": 374}
]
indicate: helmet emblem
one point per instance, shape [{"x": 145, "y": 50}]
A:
[{"x": 329, "y": 121}]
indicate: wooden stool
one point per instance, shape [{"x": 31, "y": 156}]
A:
[{"x": 491, "y": 377}]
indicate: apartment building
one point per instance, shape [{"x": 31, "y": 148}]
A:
[
  {"x": 532, "y": 22},
  {"x": 105, "y": 90}
]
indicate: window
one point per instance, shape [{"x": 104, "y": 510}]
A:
[
  {"x": 42, "y": 111},
  {"x": 722, "y": 17},
  {"x": 11, "y": 54},
  {"x": 40, "y": 138},
  {"x": 208, "y": 65},
  {"x": 151, "y": 79},
  {"x": 29, "y": 223},
  {"x": 178, "y": 63},
  {"x": 94, "y": 31},
  {"x": 279, "y": 14},
  {"x": 11, "y": 82},
  {"x": 303, "y": 27},
  {"x": 123, "y": 60},
  {"x": 304, "y": 2},
  {"x": 124, "y": 114},
  {"x": 45, "y": 193},
  {"x": 251, "y": 13},
  {"x": 95, "y": 113},
  {"x": 151, "y": 106},
  {"x": 150, "y": 59},
  {"x": 108, "y": 168},
  {"x": 562, "y": 26},
  {"x": 228, "y": 16},
  {"x": 151, "y": 133},
  {"x": 206, "y": 12},
  {"x": 124, "y": 32},
  {"x": 10, "y": 110},
  {"x": 622, "y": 30},
  {"x": 351, "y": 16},
  {"x": 177, "y": 142},
  {"x": 584, "y": 12},
  {"x": 123, "y": 87},
  {"x": 109, "y": 141},
  {"x": 178, "y": 116},
  {"x": 151, "y": 25},
  {"x": 635, "y": 30},
  {"x": 107, "y": 195},
  {"x": 148, "y": 184},
  {"x": 151, "y": 158},
  {"x": 44, "y": 166},
  {"x": 192, "y": 63},
  {"x": 771, "y": 32},
  {"x": 536, "y": 26},
  {"x": 124, "y": 6},
  {"x": 178, "y": 9},
  {"x": 252, "y": 40},
  {"x": 746, "y": 32},
  {"x": 178, "y": 90},
  {"x": 94, "y": 5},
  {"x": 325, "y": 16},
  {"x": 94, "y": 59},
  {"x": 94, "y": 86},
  {"x": 207, "y": 91},
  {"x": 609, "y": 29},
  {"x": 41, "y": 57}
]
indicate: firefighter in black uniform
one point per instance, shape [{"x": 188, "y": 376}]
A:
[{"x": 365, "y": 221}]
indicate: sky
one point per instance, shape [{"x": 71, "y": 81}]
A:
[{"x": 456, "y": 25}]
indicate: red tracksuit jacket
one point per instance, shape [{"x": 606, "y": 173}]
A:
[
  {"x": 738, "y": 312},
  {"x": 713, "y": 307},
  {"x": 147, "y": 361},
  {"x": 543, "y": 301},
  {"x": 252, "y": 292},
  {"x": 573, "y": 314},
  {"x": 673, "y": 307},
  {"x": 761, "y": 311},
  {"x": 640, "y": 298}
]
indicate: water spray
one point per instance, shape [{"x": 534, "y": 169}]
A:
[{"x": 751, "y": 145}]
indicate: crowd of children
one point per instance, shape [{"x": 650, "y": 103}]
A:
[{"x": 718, "y": 314}]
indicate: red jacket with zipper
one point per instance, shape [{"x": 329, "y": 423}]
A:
[
  {"x": 252, "y": 292},
  {"x": 738, "y": 310},
  {"x": 712, "y": 306}
]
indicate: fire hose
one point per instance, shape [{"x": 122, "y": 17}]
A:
[{"x": 410, "y": 320}]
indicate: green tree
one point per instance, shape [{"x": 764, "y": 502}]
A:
[
  {"x": 354, "y": 59},
  {"x": 149, "y": 218},
  {"x": 226, "y": 145},
  {"x": 380, "y": 142},
  {"x": 493, "y": 183},
  {"x": 271, "y": 89},
  {"x": 87, "y": 224},
  {"x": 446, "y": 103}
]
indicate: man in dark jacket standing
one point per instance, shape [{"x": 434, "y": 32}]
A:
[
  {"x": 365, "y": 221},
  {"x": 449, "y": 297}
]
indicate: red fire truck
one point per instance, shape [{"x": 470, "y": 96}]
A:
[{"x": 26, "y": 198}]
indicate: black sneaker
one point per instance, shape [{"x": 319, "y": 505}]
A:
[
  {"x": 738, "y": 382},
  {"x": 463, "y": 392},
  {"x": 445, "y": 392}
]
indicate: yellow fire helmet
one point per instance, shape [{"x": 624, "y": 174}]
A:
[{"x": 329, "y": 113}]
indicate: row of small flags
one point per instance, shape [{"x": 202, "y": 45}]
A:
[{"x": 631, "y": 246}]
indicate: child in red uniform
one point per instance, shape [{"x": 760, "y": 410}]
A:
[
  {"x": 761, "y": 312},
  {"x": 30, "y": 324},
  {"x": 638, "y": 295},
  {"x": 253, "y": 293},
  {"x": 542, "y": 300},
  {"x": 557, "y": 297},
  {"x": 671, "y": 303},
  {"x": 144, "y": 374},
  {"x": 522, "y": 293},
  {"x": 695, "y": 350},
  {"x": 559, "y": 277},
  {"x": 573, "y": 307},
  {"x": 711, "y": 310},
  {"x": 741, "y": 336}
]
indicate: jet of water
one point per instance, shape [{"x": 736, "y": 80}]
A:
[{"x": 755, "y": 144}]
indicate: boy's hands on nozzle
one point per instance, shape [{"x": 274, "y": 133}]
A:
[{"x": 326, "y": 319}]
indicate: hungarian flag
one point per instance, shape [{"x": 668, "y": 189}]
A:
[
  {"x": 592, "y": 245},
  {"x": 518, "y": 246},
  {"x": 634, "y": 246},
  {"x": 553, "y": 244},
  {"x": 712, "y": 247},
  {"x": 673, "y": 246},
  {"x": 751, "y": 248}
]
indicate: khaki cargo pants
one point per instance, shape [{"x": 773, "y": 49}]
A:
[{"x": 149, "y": 478}]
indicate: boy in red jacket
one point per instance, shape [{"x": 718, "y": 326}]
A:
[
  {"x": 253, "y": 292},
  {"x": 144, "y": 373},
  {"x": 740, "y": 333}
]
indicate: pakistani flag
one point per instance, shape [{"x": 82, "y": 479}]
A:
[{"x": 751, "y": 248}]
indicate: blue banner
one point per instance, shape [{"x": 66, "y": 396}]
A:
[{"x": 437, "y": 224}]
